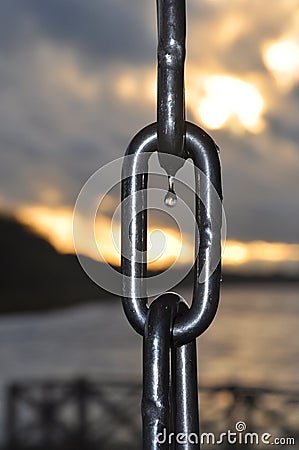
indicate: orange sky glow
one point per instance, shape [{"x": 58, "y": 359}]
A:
[{"x": 165, "y": 246}]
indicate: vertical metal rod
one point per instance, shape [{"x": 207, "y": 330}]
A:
[
  {"x": 171, "y": 101},
  {"x": 11, "y": 417},
  {"x": 156, "y": 369},
  {"x": 187, "y": 419},
  {"x": 186, "y": 394}
]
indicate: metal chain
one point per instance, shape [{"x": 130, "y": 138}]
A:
[
  {"x": 168, "y": 326},
  {"x": 169, "y": 403},
  {"x": 171, "y": 99}
]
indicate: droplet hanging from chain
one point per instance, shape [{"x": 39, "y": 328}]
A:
[{"x": 170, "y": 198}]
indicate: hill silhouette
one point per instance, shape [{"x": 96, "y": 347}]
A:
[{"x": 34, "y": 276}]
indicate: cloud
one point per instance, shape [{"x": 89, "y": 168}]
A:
[
  {"x": 77, "y": 82},
  {"x": 228, "y": 35},
  {"x": 99, "y": 30},
  {"x": 60, "y": 121},
  {"x": 260, "y": 184}
]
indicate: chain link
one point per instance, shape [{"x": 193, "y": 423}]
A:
[{"x": 171, "y": 99}]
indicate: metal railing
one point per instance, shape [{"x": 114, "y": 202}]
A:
[{"x": 84, "y": 414}]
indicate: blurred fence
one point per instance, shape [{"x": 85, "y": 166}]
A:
[{"x": 82, "y": 414}]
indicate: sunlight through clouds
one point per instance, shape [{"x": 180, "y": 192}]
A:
[
  {"x": 227, "y": 101},
  {"x": 282, "y": 60}
]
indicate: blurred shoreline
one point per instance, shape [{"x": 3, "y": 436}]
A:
[{"x": 36, "y": 277}]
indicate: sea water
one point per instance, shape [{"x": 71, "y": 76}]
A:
[{"x": 253, "y": 341}]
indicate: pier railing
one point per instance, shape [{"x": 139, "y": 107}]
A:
[{"x": 82, "y": 414}]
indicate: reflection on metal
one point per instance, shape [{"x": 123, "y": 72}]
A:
[
  {"x": 82, "y": 414},
  {"x": 170, "y": 392}
]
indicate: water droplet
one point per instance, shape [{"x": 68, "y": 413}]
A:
[{"x": 171, "y": 197}]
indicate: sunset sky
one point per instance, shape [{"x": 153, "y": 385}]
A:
[{"x": 77, "y": 81}]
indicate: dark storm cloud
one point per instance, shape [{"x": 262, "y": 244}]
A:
[
  {"x": 100, "y": 29},
  {"x": 283, "y": 121},
  {"x": 49, "y": 137},
  {"x": 52, "y": 138},
  {"x": 260, "y": 183}
]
